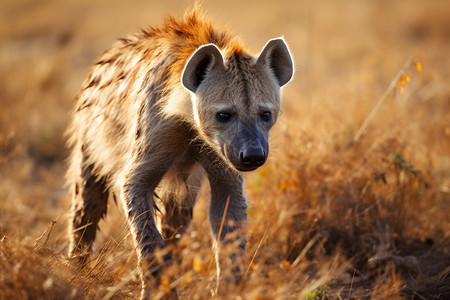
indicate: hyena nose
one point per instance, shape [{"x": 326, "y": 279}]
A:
[{"x": 253, "y": 157}]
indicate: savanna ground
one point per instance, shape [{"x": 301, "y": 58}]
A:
[{"x": 333, "y": 214}]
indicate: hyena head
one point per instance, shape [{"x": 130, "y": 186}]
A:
[{"x": 236, "y": 99}]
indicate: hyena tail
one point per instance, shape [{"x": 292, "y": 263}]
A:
[
  {"x": 89, "y": 203},
  {"x": 177, "y": 195}
]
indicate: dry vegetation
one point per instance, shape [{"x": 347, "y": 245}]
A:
[{"x": 330, "y": 217}]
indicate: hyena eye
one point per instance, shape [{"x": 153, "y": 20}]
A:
[
  {"x": 223, "y": 116},
  {"x": 266, "y": 116}
]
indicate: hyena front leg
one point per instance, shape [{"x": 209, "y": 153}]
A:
[
  {"x": 89, "y": 204},
  {"x": 227, "y": 195},
  {"x": 137, "y": 197},
  {"x": 139, "y": 204},
  {"x": 142, "y": 177}
]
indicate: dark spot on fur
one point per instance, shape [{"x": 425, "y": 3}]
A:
[
  {"x": 124, "y": 40},
  {"x": 182, "y": 34},
  {"x": 94, "y": 81},
  {"x": 121, "y": 76},
  {"x": 108, "y": 59},
  {"x": 138, "y": 133},
  {"x": 84, "y": 105},
  {"x": 103, "y": 61}
]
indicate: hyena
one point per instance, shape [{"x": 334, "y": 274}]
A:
[{"x": 160, "y": 110}]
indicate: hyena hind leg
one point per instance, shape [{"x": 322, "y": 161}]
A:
[
  {"x": 179, "y": 195},
  {"x": 89, "y": 204},
  {"x": 176, "y": 218}
]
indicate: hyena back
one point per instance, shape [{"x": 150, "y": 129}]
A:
[{"x": 161, "y": 109}]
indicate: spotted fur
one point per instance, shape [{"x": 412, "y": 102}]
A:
[{"x": 145, "y": 124}]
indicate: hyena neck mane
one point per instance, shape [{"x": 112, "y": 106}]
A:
[{"x": 182, "y": 37}]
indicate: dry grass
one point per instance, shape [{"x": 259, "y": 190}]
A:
[{"x": 330, "y": 217}]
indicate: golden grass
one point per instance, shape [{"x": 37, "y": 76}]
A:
[{"x": 336, "y": 213}]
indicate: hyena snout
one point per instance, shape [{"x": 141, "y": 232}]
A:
[
  {"x": 251, "y": 154},
  {"x": 251, "y": 148},
  {"x": 253, "y": 157}
]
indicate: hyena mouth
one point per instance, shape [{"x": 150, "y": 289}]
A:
[{"x": 246, "y": 169}]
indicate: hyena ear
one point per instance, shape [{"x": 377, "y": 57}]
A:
[
  {"x": 276, "y": 57},
  {"x": 201, "y": 62}
]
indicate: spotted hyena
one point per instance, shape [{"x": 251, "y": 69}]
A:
[{"x": 160, "y": 110}]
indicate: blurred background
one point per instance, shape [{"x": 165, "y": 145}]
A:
[
  {"x": 347, "y": 53},
  {"x": 48, "y": 46}
]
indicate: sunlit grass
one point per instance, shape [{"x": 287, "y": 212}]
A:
[{"x": 353, "y": 202}]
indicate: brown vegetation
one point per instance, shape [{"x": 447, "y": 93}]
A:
[{"x": 331, "y": 216}]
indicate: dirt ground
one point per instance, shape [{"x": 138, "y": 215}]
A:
[{"x": 353, "y": 203}]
